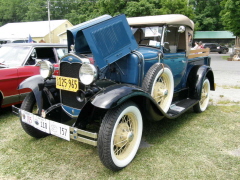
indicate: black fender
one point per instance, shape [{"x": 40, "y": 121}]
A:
[
  {"x": 115, "y": 95},
  {"x": 196, "y": 78},
  {"x": 37, "y": 84}
]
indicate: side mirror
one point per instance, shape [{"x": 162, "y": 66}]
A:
[{"x": 181, "y": 29}]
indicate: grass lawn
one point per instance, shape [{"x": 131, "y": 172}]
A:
[
  {"x": 225, "y": 57},
  {"x": 194, "y": 146}
]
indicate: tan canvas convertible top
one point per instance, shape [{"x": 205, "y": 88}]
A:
[{"x": 173, "y": 19}]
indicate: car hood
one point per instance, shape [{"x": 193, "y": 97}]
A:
[
  {"x": 108, "y": 39},
  {"x": 149, "y": 53}
]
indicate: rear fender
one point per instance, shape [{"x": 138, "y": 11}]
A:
[
  {"x": 38, "y": 85},
  {"x": 196, "y": 78}
]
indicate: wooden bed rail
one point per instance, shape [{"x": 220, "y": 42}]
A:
[{"x": 198, "y": 53}]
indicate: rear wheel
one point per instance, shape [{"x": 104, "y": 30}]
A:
[
  {"x": 159, "y": 83},
  {"x": 29, "y": 104},
  {"x": 119, "y": 136},
  {"x": 203, "y": 103}
]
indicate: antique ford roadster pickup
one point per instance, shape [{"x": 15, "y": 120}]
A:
[{"x": 118, "y": 73}]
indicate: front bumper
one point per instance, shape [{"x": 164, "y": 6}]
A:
[{"x": 51, "y": 127}]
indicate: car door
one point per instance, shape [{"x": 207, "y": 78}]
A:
[
  {"x": 8, "y": 86},
  {"x": 175, "y": 53}
]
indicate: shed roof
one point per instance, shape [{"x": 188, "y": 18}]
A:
[
  {"x": 23, "y": 29},
  {"x": 213, "y": 35}
]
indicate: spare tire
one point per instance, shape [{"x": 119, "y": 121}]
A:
[{"x": 160, "y": 84}]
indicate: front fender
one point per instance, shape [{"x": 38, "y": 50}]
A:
[
  {"x": 31, "y": 82},
  {"x": 35, "y": 83},
  {"x": 196, "y": 78},
  {"x": 115, "y": 95}
]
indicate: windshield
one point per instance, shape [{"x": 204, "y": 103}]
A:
[
  {"x": 11, "y": 56},
  {"x": 150, "y": 36}
]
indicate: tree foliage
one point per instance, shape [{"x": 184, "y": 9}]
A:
[
  {"x": 205, "y": 13},
  {"x": 230, "y": 15}
]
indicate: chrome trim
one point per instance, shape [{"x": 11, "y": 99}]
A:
[
  {"x": 23, "y": 95},
  {"x": 163, "y": 34},
  {"x": 77, "y": 133},
  {"x": 151, "y": 58},
  {"x": 10, "y": 99},
  {"x": 83, "y": 60}
]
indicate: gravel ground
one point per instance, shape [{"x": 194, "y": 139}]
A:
[{"x": 227, "y": 78}]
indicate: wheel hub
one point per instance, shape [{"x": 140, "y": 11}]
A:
[
  {"x": 130, "y": 136},
  {"x": 160, "y": 90},
  {"x": 123, "y": 135}
]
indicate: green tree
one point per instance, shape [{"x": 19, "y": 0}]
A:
[
  {"x": 111, "y": 7},
  {"x": 139, "y": 8},
  {"x": 176, "y": 7},
  {"x": 230, "y": 16},
  {"x": 37, "y": 11},
  {"x": 81, "y": 11},
  {"x": 12, "y": 11},
  {"x": 207, "y": 14}
]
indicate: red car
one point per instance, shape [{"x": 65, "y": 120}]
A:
[{"x": 20, "y": 61}]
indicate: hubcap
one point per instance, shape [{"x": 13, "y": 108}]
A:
[
  {"x": 124, "y": 137},
  {"x": 160, "y": 91}
]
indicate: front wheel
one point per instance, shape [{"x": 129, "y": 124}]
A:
[
  {"x": 29, "y": 104},
  {"x": 203, "y": 103},
  {"x": 119, "y": 136}
]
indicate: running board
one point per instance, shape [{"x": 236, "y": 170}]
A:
[{"x": 179, "y": 107}]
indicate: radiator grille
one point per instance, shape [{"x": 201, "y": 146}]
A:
[{"x": 70, "y": 70}]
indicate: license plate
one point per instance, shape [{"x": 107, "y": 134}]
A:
[
  {"x": 66, "y": 83},
  {"x": 45, "y": 125}
]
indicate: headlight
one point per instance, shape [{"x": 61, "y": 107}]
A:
[
  {"x": 46, "y": 69},
  {"x": 87, "y": 74}
]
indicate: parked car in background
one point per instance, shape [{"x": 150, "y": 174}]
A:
[
  {"x": 215, "y": 47},
  {"x": 20, "y": 61}
]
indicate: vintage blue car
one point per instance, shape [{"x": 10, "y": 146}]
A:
[{"x": 119, "y": 72}]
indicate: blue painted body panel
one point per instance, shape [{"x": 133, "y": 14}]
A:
[
  {"x": 75, "y": 37},
  {"x": 176, "y": 61},
  {"x": 107, "y": 41},
  {"x": 129, "y": 69},
  {"x": 119, "y": 42}
]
